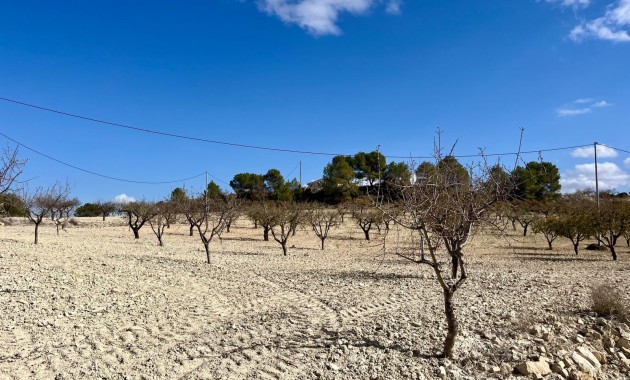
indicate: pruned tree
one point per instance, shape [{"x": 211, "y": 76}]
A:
[
  {"x": 366, "y": 216},
  {"x": 61, "y": 211},
  {"x": 576, "y": 219},
  {"x": 285, "y": 218},
  {"x": 162, "y": 216},
  {"x": 445, "y": 208},
  {"x": 210, "y": 217},
  {"x": 105, "y": 208},
  {"x": 258, "y": 213},
  {"x": 322, "y": 219},
  {"x": 613, "y": 220},
  {"x": 548, "y": 226},
  {"x": 40, "y": 203},
  {"x": 10, "y": 169},
  {"x": 138, "y": 214}
]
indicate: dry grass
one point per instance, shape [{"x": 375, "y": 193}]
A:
[{"x": 610, "y": 302}]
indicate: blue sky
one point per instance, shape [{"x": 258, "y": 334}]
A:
[{"x": 337, "y": 76}]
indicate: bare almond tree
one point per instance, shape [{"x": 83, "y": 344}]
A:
[
  {"x": 106, "y": 208},
  {"x": 138, "y": 214},
  {"x": 10, "y": 169},
  {"x": 366, "y": 216},
  {"x": 258, "y": 212},
  {"x": 285, "y": 218},
  {"x": 322, "y": 219},
  {"x": 210, "y": 217},
  {"x": 163, "y": 216},
  {"x": 445, "y": 208},
  {"x": 61, "y": 211},
  {"x": 41, "y": 203}
]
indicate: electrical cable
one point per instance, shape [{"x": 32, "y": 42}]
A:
[
  {"x": 99, "y": 174},
  {"x": 179, "y": 136}
]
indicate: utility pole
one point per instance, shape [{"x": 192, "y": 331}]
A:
[{"x": 596, "y": 177}]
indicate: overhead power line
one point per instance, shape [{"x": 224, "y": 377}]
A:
[
  {"x": 259, "y": 147},
  {"x": 99, "y": 174}
]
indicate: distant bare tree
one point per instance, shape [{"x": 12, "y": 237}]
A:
[
  {"x": 138, "y": 213},
  {"x": 61, "y": 211},
  {"x": 577, "y": 217},
  {"x": 322, "y": 219},
  {"x": 10, "y": 169},
  {"x": 366, "y": 217},
  {"x": 613, "y": 220},
  {"x": 285, "y": 218},
  {"x": 445, "y": 208},
  {"x": 163, "y": 215},
  {"x": 210, "y": 217},
  {"x": 105, "y": 208},
  {"x": 40, "y": 203},
  {"x": 258, "y": 213}
]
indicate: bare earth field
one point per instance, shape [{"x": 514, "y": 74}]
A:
[{"x": 95, "y": 303}]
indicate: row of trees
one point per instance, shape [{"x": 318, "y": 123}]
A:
[{"x": 575, "y": 217}]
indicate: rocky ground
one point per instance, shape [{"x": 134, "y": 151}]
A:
[{"x": 95, "y": 303}]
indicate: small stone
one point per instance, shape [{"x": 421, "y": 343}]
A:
[
  {"x": 533, "y": 368},
  {"x": 578, "y": 375},
  {"x": 442, "y": 372}
]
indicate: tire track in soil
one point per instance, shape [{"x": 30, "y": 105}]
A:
[{"x": 269, "y": 351}]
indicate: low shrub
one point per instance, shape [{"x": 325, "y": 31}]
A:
[{"x": 609, "y": 302}]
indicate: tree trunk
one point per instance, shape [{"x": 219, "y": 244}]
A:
[
  {"x": 550, "y": 242},
  {"x": 366, "y": 232},
  {"x": 525, "y": 229},
  {"x": 322, "y": 239},
  {"x": 103, "y": 217},
  {"x": 227, "y": 227},
  {"x": 453, "y": 325},
  {"x": 575, "y": 247},
  {"x": 36, "y": 232},
  {"x": 206, "y": 245},
  {"x": 136, "y": 232},
  {"x": 57, "y": 229},
  {"x": 284, "y": 249},
  {"x": 613, "y": 252},
  {"x": 266, "y": 233},
  {"x": 191, "y": 229},
  {"x": 160, "y": 240}
]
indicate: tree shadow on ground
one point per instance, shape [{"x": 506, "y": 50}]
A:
[
  {"x": 557, "y": 258},
  {"x": 367, "y": 275},
  {"x": 227, "y": 238}
]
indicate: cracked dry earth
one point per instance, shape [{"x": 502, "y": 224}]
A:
[{"x": 95, "y": 303}]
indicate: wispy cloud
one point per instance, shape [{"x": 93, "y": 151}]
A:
[
  {"x": 626, "y": 162},
  {"x": 610, "y": 176},
  {"x": 571, "y": 3},
  {"x": 319, "y": 17},
  {"x": 614, "y": 25},
  {"x": 588, "y": 152},
  {"x": 580, "y": 107}
]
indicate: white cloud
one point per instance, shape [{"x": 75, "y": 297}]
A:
[
  {"x": 572, "y": 111},
  {"x": 603, "y": 103},
  {"x": 319, "y": 17},
  {"x": 588, "y": 152},
  {"x": 123, "y": 198},
  {"x": 610, "y": 176},
  {"x": 586, "y": 105},
  {"x": 572, "y": 3},
  {"x": 583, "y": 101},
  {"x": 626, "y": 162},
  {"x": 612, "y": 26}
]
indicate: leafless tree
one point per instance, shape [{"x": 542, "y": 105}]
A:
[
  {"x": 613, "y": 220},
  {"x": 10, "y": 169},
  {"x": 322, "y": 219},
  {"x": 445, "y": 208},
  {"x": 285, "y": 218},
  {"x": 61, "y": 211},
  {"x": 163, "y": 215},
  {"x": 138, "y": 214},
  {"x": 366, "y": 216},
  {"x": 258, "y": 212},
  {"x": 210, "y": 217},
  {"x": 40, "y": 203},
  {"x": 105, "y": 208}
]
